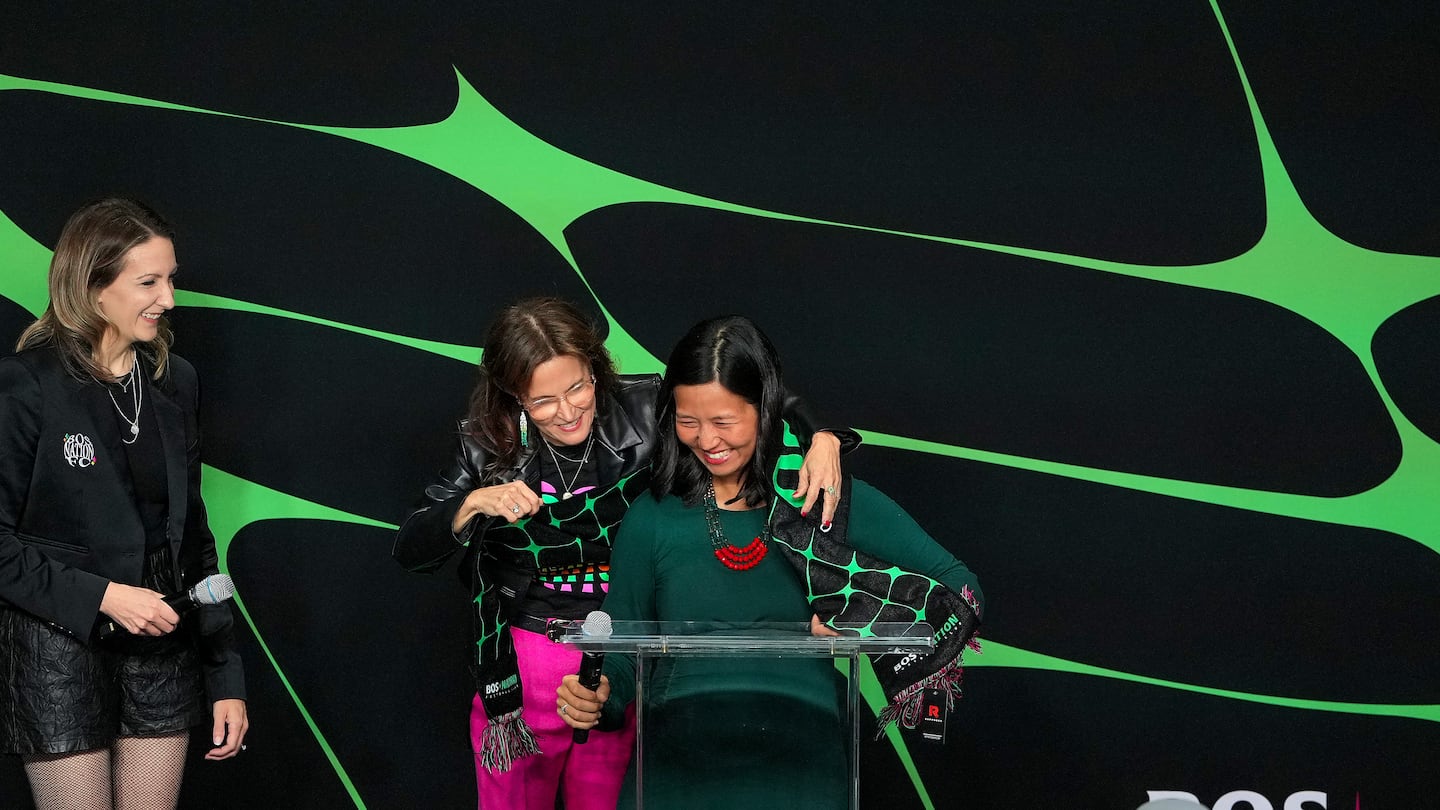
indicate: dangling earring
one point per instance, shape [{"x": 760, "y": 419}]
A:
[{"x": 524, "y": 430}]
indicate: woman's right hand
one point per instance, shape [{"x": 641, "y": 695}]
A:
[
  {"x": 512, "y": 501},
  {"x": 579, "y": 707},
  {"x": 140, "y": 611}
]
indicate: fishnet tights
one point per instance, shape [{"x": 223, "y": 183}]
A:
[{"x": 134, "y": 773}]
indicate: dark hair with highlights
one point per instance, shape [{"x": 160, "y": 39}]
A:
[
  {"x": 732, "y": 351},
  {"x": 91, "y": 252},
  {"x": 524, "y": 335}
]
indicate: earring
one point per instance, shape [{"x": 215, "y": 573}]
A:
[{"x": 524, "y": 430}]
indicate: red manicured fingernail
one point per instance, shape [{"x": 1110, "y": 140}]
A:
[
  {"x": 804, "y": 514},
  {"x": 825, "y": 525}
]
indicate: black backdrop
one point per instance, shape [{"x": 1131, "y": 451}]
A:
[{"x": 1137, "y": 304}]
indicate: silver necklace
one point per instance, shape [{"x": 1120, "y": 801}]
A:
[
  {"x": 557, "y": 454},
  {"x": 574, "y": 479},
  {"x": 137, "y": 396}
]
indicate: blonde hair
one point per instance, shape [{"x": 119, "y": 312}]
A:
[{"x": 91, "y": 252}]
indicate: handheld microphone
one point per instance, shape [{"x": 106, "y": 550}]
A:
[
  {"x": 211, "y": 590},
  {"x": 597, "y": 625}
]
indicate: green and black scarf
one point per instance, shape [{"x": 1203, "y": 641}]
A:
[
  {"x": 566, "y": 533},
  {"x": 852, "y": 592}
]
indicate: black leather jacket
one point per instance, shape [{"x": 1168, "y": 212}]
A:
[
  {"x": 625, "y": 428},
  {"x": 624, "y": 440}
]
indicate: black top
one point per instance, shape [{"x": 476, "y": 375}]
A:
[
  {"x": 145, "y": 457},
  {"x": 569, "y": 593}
]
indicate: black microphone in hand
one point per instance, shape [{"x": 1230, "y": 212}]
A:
[
  {"x": 597, "y": 625},
  {"x": 211, "y": 590}
]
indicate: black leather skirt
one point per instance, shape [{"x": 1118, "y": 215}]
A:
[{"x": 59, "y": 694}]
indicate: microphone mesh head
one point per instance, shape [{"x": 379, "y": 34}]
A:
[
  {"x": 215, "y": 589},
  {"x": 597, "y": 623}
]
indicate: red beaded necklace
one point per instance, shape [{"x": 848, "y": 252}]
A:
[{"x": 730, "y": 555}]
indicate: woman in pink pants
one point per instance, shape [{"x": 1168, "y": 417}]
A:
[{"x": 554, "y": 449}]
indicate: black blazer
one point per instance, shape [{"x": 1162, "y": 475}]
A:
[{"x": 68, "y": 521}]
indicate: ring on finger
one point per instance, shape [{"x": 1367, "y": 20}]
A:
[
  {"x": 830, "y": 490},
  {"x": 563, "y": 707},
  {"x": 515, "y": 508}
]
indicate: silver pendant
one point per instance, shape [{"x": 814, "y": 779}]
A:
[
  {"x": 134, "y": 430},
  {"x": 567, "y": 496}
]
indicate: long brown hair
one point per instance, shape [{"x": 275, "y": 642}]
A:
[
  {"x": 91, "y": 252},
  {"x": 524, "y": 335}
]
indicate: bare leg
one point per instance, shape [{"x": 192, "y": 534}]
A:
[
  {"x": 146, "y": 770},
  {"x": 70, "y": 781}
]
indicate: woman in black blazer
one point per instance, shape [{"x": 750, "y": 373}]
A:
[{"x": 100, "y": 516}]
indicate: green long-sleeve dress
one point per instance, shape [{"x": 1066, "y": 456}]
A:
[{"x": 742, "y": 732}]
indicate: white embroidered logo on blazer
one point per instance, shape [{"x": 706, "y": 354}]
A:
[{"x": 79, "y": 450}]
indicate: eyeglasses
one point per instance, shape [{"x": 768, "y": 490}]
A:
[{"x": 580, "y": 396}]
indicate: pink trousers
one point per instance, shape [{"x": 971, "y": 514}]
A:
[{"x": 589, "y": 776}]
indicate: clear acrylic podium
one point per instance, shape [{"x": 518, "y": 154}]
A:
[{"x": 649, "y": 642}]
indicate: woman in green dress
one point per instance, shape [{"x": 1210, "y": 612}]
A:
[{"x": 732, "y": 732}]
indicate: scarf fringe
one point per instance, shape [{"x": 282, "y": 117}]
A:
[
  {"x": 506, "y": 738},
  {"x": 905, "y": 706}
]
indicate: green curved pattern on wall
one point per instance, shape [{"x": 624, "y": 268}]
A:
[{"x": 550, "y": 189}]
